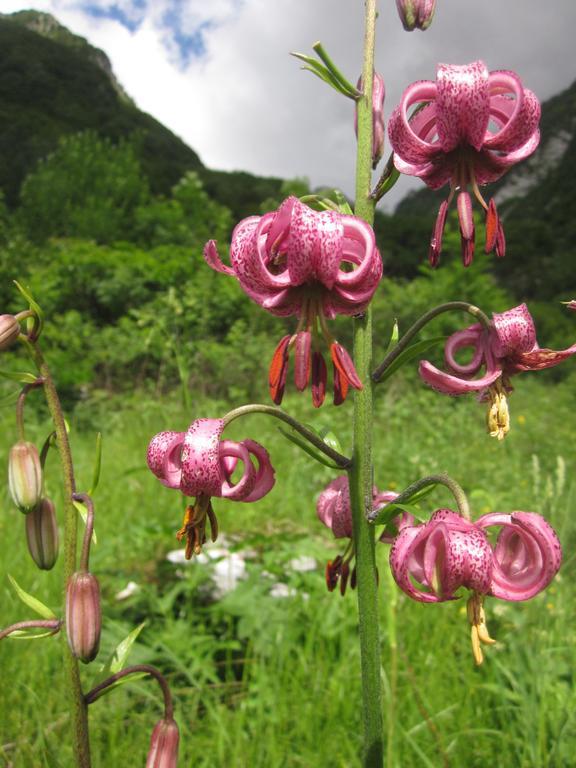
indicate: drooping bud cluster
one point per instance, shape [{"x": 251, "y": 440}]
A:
[
  {"x": 25, "y": 475},
  {"x": 164, "y": 745},
  {"x": 83, "y": 616},
  {"x": 42, "y": 534}
]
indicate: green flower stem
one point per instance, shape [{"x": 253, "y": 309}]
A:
[
  {"x": 424, "y": 320},
  {"x": 100, "y": 689},
  {"x": 74, "y": 695},
  {"x": 52, "y": 624},
  {"x": 390, "y": 609},
  {"x": 278, "y": 413},
  {"x": 361, "y": 472},
  {"x": 443, "y": 479}
]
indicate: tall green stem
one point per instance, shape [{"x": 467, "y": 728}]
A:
[
  {"x": 78, "y": 708},
  {"x": 361, "y": 472}
]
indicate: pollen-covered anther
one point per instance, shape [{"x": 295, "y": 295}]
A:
[
  {"x": 498, "y": 417},
  {"x": 278, "y": 370},
  {"x": 467, "y": 232},
  {"x": 344, "y": 373},
  {"x": 437, "y": 235},
  {"x": 319, "y": 377},
  {"x": 492, "y": 227},
  {"x": 479, "y": 634},
  {"x": 303, "y": 359},
  {"x": 194, "y": 526}
]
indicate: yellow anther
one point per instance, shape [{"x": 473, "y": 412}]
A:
[{"x": 498, "y": 417}]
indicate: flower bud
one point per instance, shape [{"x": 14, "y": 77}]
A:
[
  {"x": 25, "y": 475},
  {"x": 378, "y": 95},
  {"x": 163, "y": 745},
  {"x": 42, "y": 534},
  {"x": 416, "y": 14},
  {"x": 83, "y": 616},
  {"x": 9, "y": 331}
]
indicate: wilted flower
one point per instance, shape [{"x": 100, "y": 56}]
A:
[
  {"x": 9, "y": 331},
  {"x": 42, "y": 534},
  {"x": 164, "y": 745},
  {"x": 416, "y": 14},
  {"x": 296, "y": 261},
  {"x": 25, "y": 475},
  {"x": 378, "y": 95},
  {"x": 431, "y": 562},
  {"x": 83, "y": 616},
  {"x": 508, "y": 348},
  {"x": 200, "y": 464},
  {"x": 474, "y": 125},
  {"x": 334, "y": 510}
]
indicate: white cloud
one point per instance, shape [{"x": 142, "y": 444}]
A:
[{"x": 244, "y": 105}]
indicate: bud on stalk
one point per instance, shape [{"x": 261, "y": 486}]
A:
[
  {"x": 83, "y": 616},
  {"x": 25, "y": 475},
  {"x": 9, "y": 331},
  {"x": 416, "y": 14},
  {"x": 163, "y": 745},
  {"x": 42, "y": 534}
]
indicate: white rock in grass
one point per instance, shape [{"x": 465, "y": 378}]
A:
[
  {"x": 130, "y": 589},
  {"x": 227, "y": 572},
  {"x": 303, "y": 564},
  {"x": 281, "y": 590}
]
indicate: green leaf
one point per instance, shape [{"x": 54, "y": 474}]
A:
[
  {"x": 28, "y": 634},
  {"x": 23, "y": 377},
  {"x": 394, "y": 336},
  {"x": 329, "y": 438},
  {"x": 314, "y": 66},
  {"x": 34, "y": 306},
  {"x": 311, "y": 450},
  {"x": 97, "y": 464},
  {"x": 392, "y": 509},
  {"x": 32, "y": 602},
  {"x": 415, "y": 350},
  {"x": 119, "y": 656},
  {"x": 343, "y": 204},
  {"x": 83, "y": 512}
]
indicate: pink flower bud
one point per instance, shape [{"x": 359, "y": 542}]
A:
[
  {"x": 163, "y": 745},
  {"x": 9, "y": 331},
  {"x": 42, "y": 534},
  {"x": 378, "y": 96},
  {"x": 416, "y": 14},
  {"x": 25, "y": 475},
  {"x": 83, "y": 616}
]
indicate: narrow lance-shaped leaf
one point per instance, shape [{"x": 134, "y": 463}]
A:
[
  {"x": 413, "y": 351},
  {"x": 32, "y": 602},
  {"x": 22, "y": 377},
  {"x": 97, "y": 464},
  {"x": 34, "y": 306},
  {"x": 311, "y": 450}
]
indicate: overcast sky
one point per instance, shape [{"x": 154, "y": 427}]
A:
[{"x": 218, "y": 73}]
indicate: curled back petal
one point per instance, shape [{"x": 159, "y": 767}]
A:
[
  {"x": 164, "y": 457},
  {"x": 212, "y": 258},
  {"x": 244, "y": 486},
  {"x": 514, "y": 332},
  {"x": 264, "y": 481},
  {"x": 453, "y": 385},
  {"x": 538, "y": 359},
  {"x": 469, "y": 337},
  {"x": 404, "y": 566},
  {"x": 201, "y": 469},
  {"x": 462, "y": 105},
  {"x": 515, "y": 114},
  {"x": 412, "y": 142}
]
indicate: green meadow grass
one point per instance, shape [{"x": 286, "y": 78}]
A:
[{"x": 264, "y": 681}]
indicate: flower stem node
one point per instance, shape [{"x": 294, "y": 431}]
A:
[
  {"x": 83, "y": 616},
  {"x": 42, "y": 534},
  {"x": 315, "y": 265},
  {"x": 200, "y": 464},
  {"x": 164, "y": 744},
  {"x": 9, "y": 331},
  {"x": 25, "y": 475}
]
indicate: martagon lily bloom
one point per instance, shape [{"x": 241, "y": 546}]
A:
[
  {"x": 334, "y": 510},
  {"x": 200, "y": 464},
  {"x": 431, "y": 562},
  {"x": 474, "y": 126},
  {"x": 508, "y": 348},
  {"x": 296, "y": 261}
]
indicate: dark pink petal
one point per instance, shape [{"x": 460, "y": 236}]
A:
[
  {"x": 514, "y": 332},
  {"x": 164, "y": 457},
  {"x": 264, "y": 474},
  {"x": 437, "y": 235},
  {"x": 539, "y": 359},
  {"x": 526, "y": 557},
  {"x": 402, "y": 568},
  {"x": 201, "y": 470},
  {"x": 453, "y": 385},
  {"x": 514, "y": 109},
  {"x": 378, "y": 95},
  {"x": 327, "y": 499},
  {"x": 462, "y": 105},
  {"x": 469, "y": 337},
  {"x": 412, "y": 140},
  {"x": 302, "y": 359},
  {"x": 244, "y": 486},
  {"x": 213, "y": 259},
  {"x": 319, "y": 377}
]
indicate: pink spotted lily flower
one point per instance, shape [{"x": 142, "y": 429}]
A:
[
  {"x": 378, "y": 95},
  {"x": 200, "y": 464},
  {"x": 334, "y": 510},
  {"x": 431, "y": 562},
  {"x": 474, "y": 126},
  {"x": 508, "y": 348},
  {"x": 296, "y": 261}
]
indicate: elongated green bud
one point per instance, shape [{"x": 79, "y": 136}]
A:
[
  {"x": 42, "y": 534},
  {"x": 25, "y": 475},
  {"x": 83, "y": 616},
  {"x": 9, "y": 331},
  {"x": 164, "y": 745}
]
